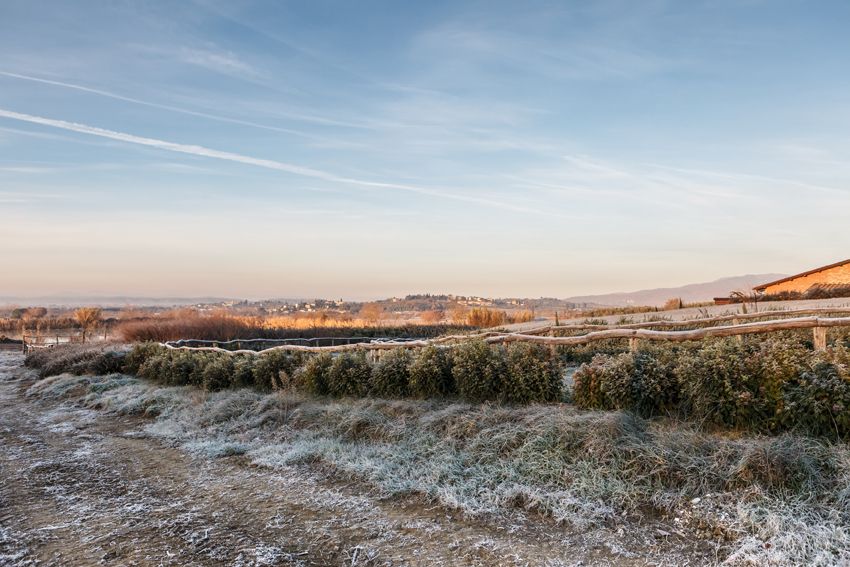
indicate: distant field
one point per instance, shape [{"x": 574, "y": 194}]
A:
[{"x": 711, "y": 310}]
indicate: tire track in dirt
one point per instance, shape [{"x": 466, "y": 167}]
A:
[{"x": 83, "y": 487}]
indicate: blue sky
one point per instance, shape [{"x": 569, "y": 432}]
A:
[{"x": 370, "y": 149}]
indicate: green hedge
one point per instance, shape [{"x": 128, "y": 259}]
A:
[
  {"x": 765, "y": 385},
  {"x": 430, "y": 373},
  {"x": 479, "y": 371},
  {"x": 391, "y": 375},
  {"x": 819, "y": 400},
  {"x": 349, "y": 375},
  {"x": 533, "y": 375},
  {"x": 525, "y": 373},
  {"x": 211, "y": 370},
  {"x": 316, "y": 374}
]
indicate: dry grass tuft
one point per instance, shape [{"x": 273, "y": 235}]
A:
[{"x": 213, "y": 327}]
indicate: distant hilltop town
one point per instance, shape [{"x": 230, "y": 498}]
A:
[{"x": 409, "y": 304}]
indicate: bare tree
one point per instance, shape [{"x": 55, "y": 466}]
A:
[
  {"x": 459, "y": 313},
  {"x": 88, "y": 316},
  {"x": 371, "y": 312},
  {"x": 433, "y": 317}
]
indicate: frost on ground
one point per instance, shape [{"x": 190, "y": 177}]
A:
[{"x": 240, "y": 477}]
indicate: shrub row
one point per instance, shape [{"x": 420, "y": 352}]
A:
[
  {"x": 211, "y": 370},
  {"x": 77, "y": 360},
  {"x": 521, "y": 374},
  {"x": 764, "y": 385},
  {"x": 473, "y": 370}
]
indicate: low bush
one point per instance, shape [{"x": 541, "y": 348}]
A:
[
  {"x": 269, "y": 366},
  {"x": 736, "y": 384},
  {"x": 139, "y": 354},
  {"x": 587, "y": 385},
  {"x": 78, "y": 360},
  {"x": 391, "y": 375},
  {"x": 723, "y": 381},
  {"x": 478, "y": 370},
  {"x": 431, "y": 373},
  {"x": 639, "y": 382},
  {"x": 317, "y": 374},
  {"x": 819, "y": 401},
  {"x": 110, "y": 362},
  {"x": 533, "y": 375},
  {"x": 175, "y": 368},
  {"x": 349, "y": 375},
  {"x": 243, "y": 371},
  {"x": 211, "y": 370},
  {"x": 218, "y": 372}
]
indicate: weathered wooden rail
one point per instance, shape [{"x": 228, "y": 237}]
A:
[
  {"x": 692, "y": 322},
  {"x": 33, "y": 342},
  {"x": 818, "y": 324}
]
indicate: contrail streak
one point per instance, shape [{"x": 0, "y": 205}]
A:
[
  {"x": 271, "y": 164},
  {"x": 165, "y": 106}
]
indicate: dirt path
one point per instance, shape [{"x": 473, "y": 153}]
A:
[{"x": 82, "y": 487}]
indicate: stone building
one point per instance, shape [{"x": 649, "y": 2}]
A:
[{"x": 827, "y": 277}]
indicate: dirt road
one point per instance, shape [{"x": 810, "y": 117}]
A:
[{"x": 83, "y": 487}]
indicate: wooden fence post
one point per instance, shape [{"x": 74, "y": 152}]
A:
[
  {"x": 739, "y": 338},
  {"x": 633, "y": 344},
  {"x": 820, "y": 338},
  {"x": 552, "y": 347}
]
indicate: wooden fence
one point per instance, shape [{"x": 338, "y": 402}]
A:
[
  {"x": 32, "y": 342},
  {"x": 634, "y": 332}
]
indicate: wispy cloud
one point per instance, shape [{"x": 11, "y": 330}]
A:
[
  {"x": 28, "y": 169},
  {"x": 597, "y": 166},
  {"x": 750, "y": 177},
  {"x": 270, "y": 164},
  {"x": 227, "y": 63},
  {"x": 171, "y": 108}
]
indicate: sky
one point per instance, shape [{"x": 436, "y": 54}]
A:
[{"x": 362, "y": 150}]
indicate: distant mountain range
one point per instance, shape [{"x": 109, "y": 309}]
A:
[
  {"x": 688, "y": 293},
  {"x": 71, "y": 300}
]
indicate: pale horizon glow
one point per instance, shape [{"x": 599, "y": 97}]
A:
[{"x": 310, "y": 150}]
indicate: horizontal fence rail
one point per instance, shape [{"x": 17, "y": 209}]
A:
[
  {"x": 32, "y": 342},
  {"x": 680, "y": 336},
  {"x": 692, "y": 322},
  {"x": 314, "y": 342},
  {"x": 819, "y": 325}
]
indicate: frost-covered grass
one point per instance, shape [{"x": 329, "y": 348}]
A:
[{"x": 782, "y": 499}]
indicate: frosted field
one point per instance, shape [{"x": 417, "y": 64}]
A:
[{"x": 244, "y": 478}]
